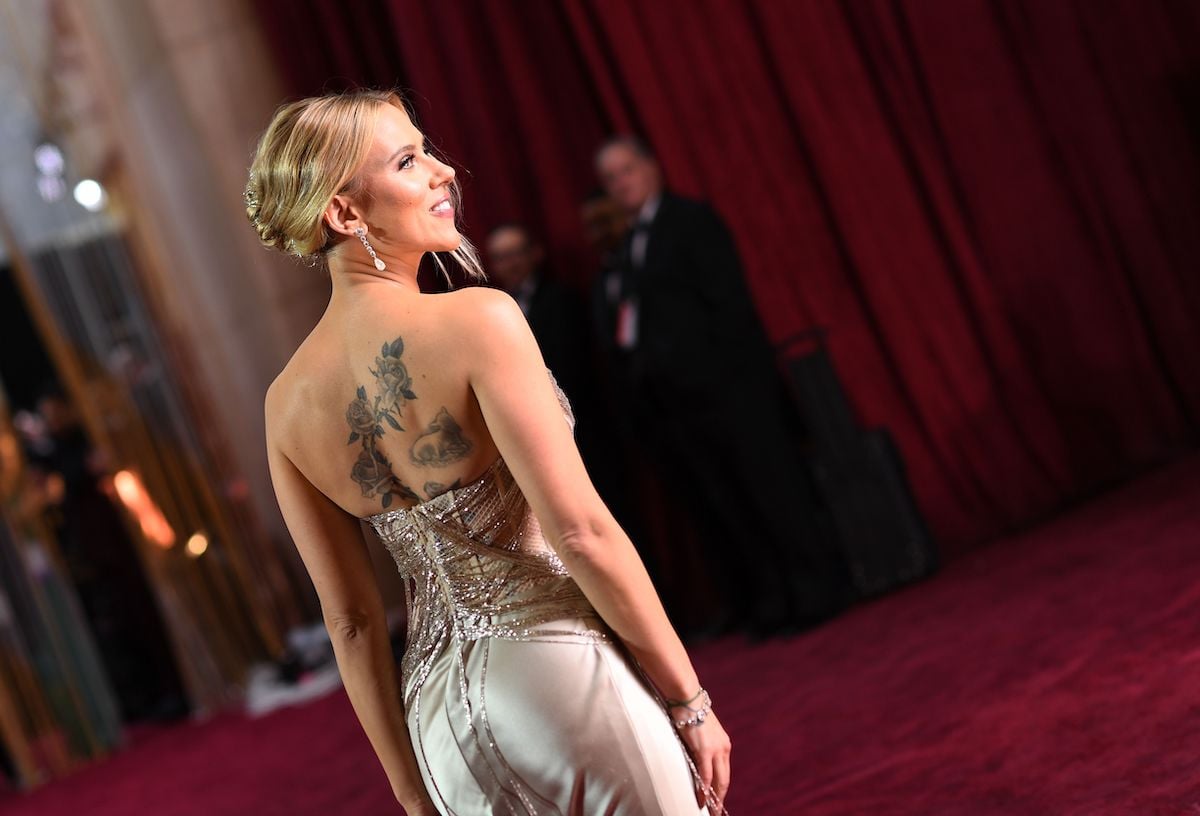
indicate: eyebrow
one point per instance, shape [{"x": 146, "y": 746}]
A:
[{"x": 392, "y": 158}]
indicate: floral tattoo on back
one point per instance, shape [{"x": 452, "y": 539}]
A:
[
  {"x": 395, "y": 386},
  {"x": 372, "y": 471}
]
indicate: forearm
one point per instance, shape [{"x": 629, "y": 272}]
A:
[
  {"x": 368, "y": 672},
  {"x": 608, "y": 569}
]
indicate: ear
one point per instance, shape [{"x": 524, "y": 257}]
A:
[{"x": 343, "y": 216}]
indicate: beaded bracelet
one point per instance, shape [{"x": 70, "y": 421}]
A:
[{"x": 698, "y": 714}]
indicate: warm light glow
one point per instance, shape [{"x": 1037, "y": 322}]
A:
[
  {"x": 197, "y": 544},
  {"x": 127, "y": 486},
  {"x": 10, "y": 462},
  {"x": 135, "y": 498},
  {"x": 90, "y": 195},
  {"x": 55, "y": 488}
]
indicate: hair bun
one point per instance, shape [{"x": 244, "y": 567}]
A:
[{"x": 270, "y": 236}]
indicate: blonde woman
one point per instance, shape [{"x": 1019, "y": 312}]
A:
[{"x": 540, "y": 674}]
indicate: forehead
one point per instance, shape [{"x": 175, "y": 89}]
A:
[
  {"x": 619, "y": 154},
  {"x": 393, "y": 129}
]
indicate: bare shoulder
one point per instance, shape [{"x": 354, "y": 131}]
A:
[
  {"x": 281, "y": 393},
  {"x": 482, "y": 308},
  {"x": 492, "y": 327},
  {"x": 275, "y": 406}
]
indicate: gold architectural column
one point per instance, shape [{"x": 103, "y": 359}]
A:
[{"x": 190, "y": 85}]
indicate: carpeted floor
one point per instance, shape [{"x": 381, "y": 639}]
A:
[{"x": 1057, "y": 672}]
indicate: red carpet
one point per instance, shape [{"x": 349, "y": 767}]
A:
[{"x": 1053, "y": 673}]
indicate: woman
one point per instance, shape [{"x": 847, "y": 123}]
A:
[{"x": 540, "y": 674}]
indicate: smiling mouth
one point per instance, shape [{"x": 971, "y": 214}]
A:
[{"x": 442, "y": 206}]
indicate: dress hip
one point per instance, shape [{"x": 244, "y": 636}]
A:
[{"x": 558, "y": 723}]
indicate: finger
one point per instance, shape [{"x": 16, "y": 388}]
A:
[
  {"x": 705, "y": 766},
  {"x": 721, "y": 776}
]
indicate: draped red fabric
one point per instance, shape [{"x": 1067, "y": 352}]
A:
[{"x": 991, "y": 206}]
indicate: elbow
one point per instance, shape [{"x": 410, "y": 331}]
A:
[
  {"x": 582, "y": 544},
  {"x": 349, "y": 626}
]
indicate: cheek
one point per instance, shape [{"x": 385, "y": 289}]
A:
[
  {"x": 403, "y": 198},
  {"x": 410, "y": 200}
]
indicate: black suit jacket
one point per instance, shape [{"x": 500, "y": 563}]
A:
[
  {"x": 559, "y": 320},
  {"x": 698, "y": 329}
]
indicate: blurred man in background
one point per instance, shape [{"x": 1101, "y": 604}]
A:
[{"x": 710, "y": 404}]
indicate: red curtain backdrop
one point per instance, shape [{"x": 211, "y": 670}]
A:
[{"x": 991, "y": 206}]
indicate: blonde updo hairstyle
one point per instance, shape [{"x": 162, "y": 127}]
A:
[{"x": 313, "y": 150}]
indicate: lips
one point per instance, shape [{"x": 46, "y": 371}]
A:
[{"x": 442, "y": 208}]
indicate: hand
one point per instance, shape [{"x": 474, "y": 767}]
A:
[{"x": 710, "y": 748}]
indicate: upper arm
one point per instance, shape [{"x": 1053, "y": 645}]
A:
[
  {"x": 330, "y": 543},
  {"x": 508, "y": 375}
]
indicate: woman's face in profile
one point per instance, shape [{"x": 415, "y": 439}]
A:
[{"x": 408, "y": 204}]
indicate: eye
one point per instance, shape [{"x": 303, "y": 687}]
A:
[{"x": 408, "y": 160}]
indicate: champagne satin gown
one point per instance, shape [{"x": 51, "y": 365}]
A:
[{"x": 518, "y": 698}]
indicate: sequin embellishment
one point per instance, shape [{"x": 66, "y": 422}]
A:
[{"x": 476, "y": 566}]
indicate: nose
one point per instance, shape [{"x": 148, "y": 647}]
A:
[{"x": 444, "y": 174}]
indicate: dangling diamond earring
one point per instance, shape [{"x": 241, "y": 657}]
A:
[{"x": 362, "y": 236}]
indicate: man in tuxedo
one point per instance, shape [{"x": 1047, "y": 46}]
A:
[{"x": 710, "y": 404}]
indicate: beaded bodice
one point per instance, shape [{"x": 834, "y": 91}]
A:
[{"x": 475, "y": 564}]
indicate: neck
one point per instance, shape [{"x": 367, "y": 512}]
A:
[{"x": 353, "y": 274}]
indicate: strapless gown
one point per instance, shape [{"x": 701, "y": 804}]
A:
[{"x": 518, "y": 698}]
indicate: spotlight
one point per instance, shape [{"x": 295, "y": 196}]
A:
[
  {"x": 48, "y": 159},
  {"x": 50, "y": 164},
  {"x": 90, "y": 195},
  {"x": 197, "y": 544}
]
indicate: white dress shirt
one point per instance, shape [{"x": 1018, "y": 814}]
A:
[{"x": 641, "y": 237}]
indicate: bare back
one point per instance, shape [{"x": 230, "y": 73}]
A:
[{"x": 375, "y": 408}]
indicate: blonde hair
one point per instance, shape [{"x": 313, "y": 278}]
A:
[{"x": 313, "y": 150}]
